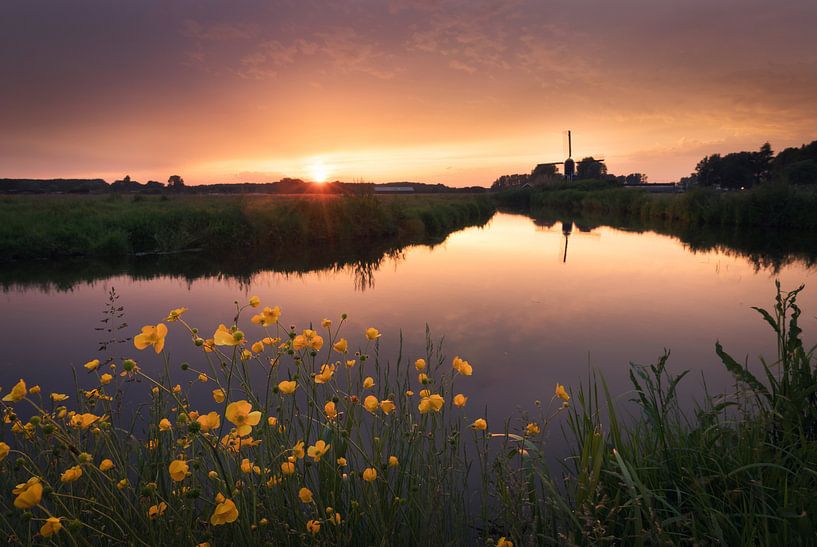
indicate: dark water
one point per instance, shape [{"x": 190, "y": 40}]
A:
[{"x": 525, "y": 310}]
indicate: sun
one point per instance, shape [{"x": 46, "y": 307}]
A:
[{"x": 318, "y": 171}]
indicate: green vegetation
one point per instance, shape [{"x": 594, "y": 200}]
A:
[
  {"x": 311, "y": 444},
  {"x": 64, "y": 226}
]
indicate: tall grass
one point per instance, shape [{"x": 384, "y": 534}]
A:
[
  {"x": 61, "y": 226},
  {"x": 404, "y": 459}
]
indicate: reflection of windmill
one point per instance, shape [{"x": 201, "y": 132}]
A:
[
  {"x": 570, "y": 164},
  {"x": 567, "y": 230}
]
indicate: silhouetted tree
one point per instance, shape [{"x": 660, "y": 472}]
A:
[
  {"x": 176, "y": 183},
  {"x": 635, "y": 178},
  {"x": 591, "y": 168}
]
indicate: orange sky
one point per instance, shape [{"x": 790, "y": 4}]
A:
[{"x": 457, "y": 92}]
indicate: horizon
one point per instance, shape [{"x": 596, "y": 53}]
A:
[{"x": 450, "y": 92}]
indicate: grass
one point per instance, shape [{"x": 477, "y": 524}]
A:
[
  {"x": 405, "y": 462},
  {"x": 114, "y": 226}
]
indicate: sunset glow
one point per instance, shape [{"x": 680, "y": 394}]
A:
[
  {"x": 318, "y": 171},
  {"x": 455, "y": 91}
]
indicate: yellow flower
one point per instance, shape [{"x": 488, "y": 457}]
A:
[
  {"x": 325, "y": 375},
  {"x": 58, "y": 397},
  {"x": 178, "y": 470},
  {"x": 287, "y": 386},
  {"x": 175, "y": 314},
  {"x": 241, "y": 414},
  {"x": 420, "y": 365},
  {"x": 298, "y": 450},
  {"x": 287, "y": 468},
  {"x": 313, "y": 527},
  {"x": 91, "y": 365},
  {"x": 460, "y": 400},
  {"x": 368, "y": 382},
  {"x": 502, "y": 542},
  {"x": 326, "y": 323},
  {"x": 28, "y": 493},
  {"x": 246, "y": 465},
  {"x": 35, "y": 390},
  {"x": 431, "y": 403},
  {"x": 409, "y": 393},
  {"x": 257, "y": 347},
  {"x": 219, "y": 395},
  {"x": 372, "y": 333},
  {"x": 532, "y": 429},
  {"x": 425, "y": 392},
  {"x": 255, "y": 301},
  {"x": 350, "y": 363},
  {"x": 121, "y": 485},
  {"x": 341, "y": 346},
  {"x": 105, "y": 379},
  {"x": 17, "y": 392},
  {"x": 164, "y": 425},
  {"x": 202, "y": 378},
  {"x": 386, "y": 406},
  {"x": 226, "y": 337},
  {"x": 83, "y": 421},
  {"x": 369, "y": 474},
  {"x": 209, "y": 421},
  {"x": 330, "y": 410},
  {"x": 305, "y": 494},
  {"x": 561, "y": 392},
  {"x": 268, "y": 316},
  {"x": 272, "y": 421},
  {"x": 463, "y": 367},
  {"x": 4, "y": 450},
  {"x": 52, "y": 526},
  {"x": 309, "y": 338},
  {"x": 317, "y": 451},
  {"x": 106, "y": 465},
  {"x": 71, "y": 474},
  {"x": 341, "y": 462},
  {"x": 480, "y": 424},
  {"x": 157, "y": 510},
  {"x": 151, "y": 336},
  {"x": 370, "y": 403},
  {"x": 393, "y": 461}
]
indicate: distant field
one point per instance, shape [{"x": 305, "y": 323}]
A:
[{"x": 114, "y": 225}]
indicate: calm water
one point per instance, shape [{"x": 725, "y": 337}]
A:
[{"x": 504, "y": 296}]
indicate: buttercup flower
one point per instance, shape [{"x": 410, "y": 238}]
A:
[
  {"x": 209, "y": 422},
  {"x": 52, "y": 526},
  {"x": 370, "y": 403},
  {"x": 393, "y": 461},
  {"x": 106, "y": 465},
  {"x": 287, "y": 468},
  {"x": 372, "y": 333},
  {"x": 151, "y": 336},
  {"x": 241, "y": 414},
  {"x": 178, "y": 470},
  {"x": 480, "y": 424},
  {"x": 532, "y": 429},
  {"x": 83, "y": 421},
  {"x": 255, "y": 301},
  {"x": 58, "y": 397},
  {"x": 4, "y": 450},
  {"x": 313, "y": 527},
  {"x": 164, "y": 425},
  {"x": 17, "y": 392},
  {"x": 175, "y": 314},
  {"x": 257, "y": 347},
  {"x": 561, "y": 392},
  {"x": 325, "y": 374},
  {"x": 298, "y": 450},
  {"x": 28, "y": 493},
  {"x": 91, "y": 365},
  {"x": 287, "y": 386},
  {"x": 330, "y": 410},
  {"x": 420, "y": 365},
  {"x": 431, "y": 403},
  {"x": 305, "y": 494},
  {"x": 460, "y": 400},
  {"x": 226, "y": 337},
  {"x": 308, "y": 339},
  {"x": 267, "y": 317},
  {"x": 202, "y": 378},
  {"x": 502, "y": 542},
  {"x": 317, "y": 451},
  {"x": 341, "y": 346},
  {"x": 219, "y": 395},
  {"x": 386, "y": 406},
  {"x": 156, "y": 511},
  {"x": 463, "y": 367},
  {"x": 71, "y": 474},
  {"x": 368, "y": 382},
  {"x": 35, "y": 390},
  {"x": 326, "y": 323},
  {"x": 369, "y": 474}
]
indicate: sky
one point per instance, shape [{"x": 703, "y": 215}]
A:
[{"x": 451, "y": 91}]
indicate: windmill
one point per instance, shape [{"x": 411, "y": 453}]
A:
[{"x": 570, "y": 165}]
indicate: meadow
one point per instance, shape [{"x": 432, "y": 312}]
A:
[
  {"x": 338, "y": 445},
  {"x": 35, "y": 227}
]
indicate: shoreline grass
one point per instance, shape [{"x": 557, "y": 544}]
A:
[
  {"x": 336, "y": 447},
  {"x": 34, "y": 227}
]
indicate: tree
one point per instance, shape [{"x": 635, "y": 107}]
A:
[
  {"x": 591, "y": 168},
  {"x": 709, "y": 171},
  {"x": 762, "y": 163},
  {"x": 635, "y": 178},
  {"x": 175, "y": 182}
]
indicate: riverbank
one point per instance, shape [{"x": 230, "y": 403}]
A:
[
  {"x": 34, "y": 227},
  {"x": 767, "y": 206}
]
